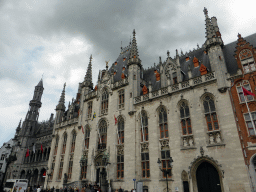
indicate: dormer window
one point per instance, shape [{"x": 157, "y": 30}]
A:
[
  {"x": 115, "y": 63},
  {"x": 247, "y": 61},
  {"x": 187, "y": 58},
  {"x": 124, "y": 59}
]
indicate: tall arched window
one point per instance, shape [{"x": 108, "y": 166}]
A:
[
  {"x": 104, "y": 102},
  {"x": 210, "y": 114},
  {"x": 185, "y": 119},
  {"x": 73, "y": 143},
  {"x": 102, "y": 135},
  {"x": 120, "y": 130},
  {"x": 56, "y": 145},
  {"x": 144, "y": 126},
  {"x": 87, "y": 137},
  {"x": 64, "y": 143},
  {"x": 163, "y": 125}
]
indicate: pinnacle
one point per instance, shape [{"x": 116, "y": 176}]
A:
[
  {"x": 134, "y": 49},
  {"x": 88, "y": 76},
  {"x": 40, "y": 83}
]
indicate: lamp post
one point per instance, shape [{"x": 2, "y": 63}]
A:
[{"x": 166, "y": 171}]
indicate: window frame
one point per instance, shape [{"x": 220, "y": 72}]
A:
[
  {"x": 165, "y": 161},
  {"x": 211, "y": 116},
  {"x": 145, "y": 126},
  {"x": 104, "y": 101},
  {"x": 240, "y": 92},
  {"x": 121, "y": 98},
  {"x": 87, "y": 137},
  {"x": 145, "y": 165},
  {"x": 64, "y": 145},
  {"x": 73, "y": 143},
  {"x": 120, "y": 167},
  {"x": 103, "y": 127},
  {"x": 248, "y": 61},
  {"x": 89, "y": 109},
  {"x": 120, "y": 129},
  {"x": 253, "y": 119},
  {"x": 186, "y": 128},
  {"x": 164, "y": 124}
]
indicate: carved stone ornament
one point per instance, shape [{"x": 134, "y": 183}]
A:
[
  {"x": 202, "y": 151},
  {"x": 164, "y": 143},
  {"x": 144, "y": 146},
  {"x": 120, "y": 149},
  {"x": 171, "y": 67}
]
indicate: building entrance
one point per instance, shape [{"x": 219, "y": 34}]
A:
[
  {"x": 101, "y": 179},
  {"x": 207, "y": 178}
]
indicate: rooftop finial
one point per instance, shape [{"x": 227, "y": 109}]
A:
[
  {"x": 160, "y": 60},
  {"x": 168, "y": 53},
  {"x": 88, "y": 76},
  {"x": 239, "y": 36},
  {"x": 177, "y": 54},
  {"x": 61, "y": 105},
  {"x": 121, "y": 47},
  {"x": 205, "y": 12},
  {"x": 107, "y": 63},
  {"x": 134, "y": 33}
]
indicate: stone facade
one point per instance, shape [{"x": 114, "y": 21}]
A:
[
  {"x": 134, "y": 117},
  {"x": 32, "y": 143}
]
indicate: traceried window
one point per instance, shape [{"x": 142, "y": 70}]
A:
[
  {"x": 120, "y": 130},
  {"x": 70, "y": 166},
  {"x": 104, "y": 102},
  {"x": 145, "y": 165},
  {"x": 61, "y": 168},
  {"x": 84, "y": 170},
  {"x": 56, "y": 146},
  {"x": 64, "y": 144},
  {"x": 241, "y": 93},
  {"x": 2, "y": 156},
  {"x": 103, "y": 135},
  {"x": 89, "y": 110},
  {"x": 185, "y": 119},
  {"x": 210, "y": 114},
  {"x": 174, "y": 77},
  {"x": 144, "y": 127},
  {"x": 121, "y": 99},
  {"x": 250, "y": 123},
  {"x": 87, "y": 137},
  {"x": 120, "y": 166},
  {"x": 247, "y": 61},
  {"x": 165, "y": 157},
  {"x": 163, "y": 123},
  {"x": 73, "y": 144}
]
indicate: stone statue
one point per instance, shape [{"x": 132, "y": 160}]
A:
[
  {"x": 107, "y": 63},
  {"x": 185, "y": 143},
  {"x": 65, "y": 178},
  {"x": 191, "y": 143},
  {"x": 218, "y": 139},
  {"x": 211, "y": 139}
]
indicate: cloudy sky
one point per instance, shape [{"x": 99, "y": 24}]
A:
[{"x": 56, "y": 38}]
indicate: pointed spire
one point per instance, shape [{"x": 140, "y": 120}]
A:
[
  {"x": 88, "y": 77},
  {"x": 134, "y": 49},
  {"x": 18, "y": 128},
  {"x": 121, "y": 47},
  {"x": 40, "y": 84},
  {"x": 61, "y": 105},
  {"x": 160, "y": 60}
]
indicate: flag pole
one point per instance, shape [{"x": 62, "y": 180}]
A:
[
  {"x": 250, "y": 115},
  {"x": 142, "y": 128}
]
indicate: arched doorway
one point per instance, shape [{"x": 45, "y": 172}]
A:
[
  {"x": 42, "y": 177},
  {"x": 207, "y": 178},
  {"x": 35, "y": 177}
]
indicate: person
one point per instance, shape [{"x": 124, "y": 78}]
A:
[
  {"x": 116, "y": 190},
  {"x": 120, "y": 189}
]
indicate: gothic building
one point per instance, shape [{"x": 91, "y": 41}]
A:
[
  {"x": 32, "y": 144},
  {"x": 243, "y": 60},
  {"x": 137, "y": 123}
]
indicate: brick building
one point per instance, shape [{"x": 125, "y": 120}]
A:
[{"x": 243, "y": 61}]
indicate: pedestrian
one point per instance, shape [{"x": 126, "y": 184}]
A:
[{"x": 120, "y": 189}]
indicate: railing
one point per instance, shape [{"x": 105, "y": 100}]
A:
[
  {"x": 176, "y": 87},
  {"x": 120, "y": 83}
]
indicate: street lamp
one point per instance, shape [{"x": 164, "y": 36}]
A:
[{"x": 166, "y": 171}]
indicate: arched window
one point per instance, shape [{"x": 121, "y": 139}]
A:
[
  {"x": 120, "y": 130},
  {"x": 163, "y": 123},
  {"x": 73, "y": 143},
  {"x": 102, "y": 135},
  {"x": 56, "y": 145},
  {"x": 240, "y": 92},
  {"x": 210, "y": 114},
  {"x": 247, "y": 60},
  {"x": 87, "y": 137},
  {"x": 64, "y": 144},
  {"x": 104, "y": 102},
  {"x": 185, "y": 119},
  {"x": 144, "y": 126}
]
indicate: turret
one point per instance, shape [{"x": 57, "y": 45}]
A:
[
  {"x": 60, "y": 108},
  {"x": 213, "y": 46},
  {"x": 87, "y": 83}
]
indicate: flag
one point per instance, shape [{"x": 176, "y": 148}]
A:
[
  {"x": 82, "y": 129},
  {"x": 27, "y": 154},
  {"x": 42, "y": 148},
  {"x": 94, "y": 116},
  {"x": 34, "y": 148},
  {"x": 115, "y": 120},
  {"x": 246, "y": 92},
  {"x": 44, "y": 175}
]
